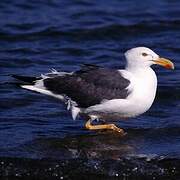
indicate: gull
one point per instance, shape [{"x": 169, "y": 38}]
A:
[{"x": 99, "y": 93}]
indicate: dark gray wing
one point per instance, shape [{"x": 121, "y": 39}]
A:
[{"x": 90, "y": 85}]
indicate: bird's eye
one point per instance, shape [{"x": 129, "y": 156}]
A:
[{"x": 144, "y": 54}]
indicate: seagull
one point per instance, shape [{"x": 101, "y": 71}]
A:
[{"x": 99, "y": 93}]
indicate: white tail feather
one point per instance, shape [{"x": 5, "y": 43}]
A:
[{"x": 42, "y": 91}]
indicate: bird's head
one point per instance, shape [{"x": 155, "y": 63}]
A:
[{"x": 145, "y": 57}]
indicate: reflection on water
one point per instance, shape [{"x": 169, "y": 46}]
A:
[{"x": 102, "y": 146}]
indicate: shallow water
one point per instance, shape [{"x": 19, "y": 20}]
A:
[{"x": 36, "y": 36}]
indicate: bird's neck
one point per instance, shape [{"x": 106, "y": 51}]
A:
[{"x": 138, "y": 70}]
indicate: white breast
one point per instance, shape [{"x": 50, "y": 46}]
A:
[{"x": 144, "y": 85}]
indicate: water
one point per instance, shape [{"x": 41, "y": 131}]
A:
[{"x": 36, "y": 36}]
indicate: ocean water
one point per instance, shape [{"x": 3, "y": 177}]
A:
[{"x": 38, "y": 35}]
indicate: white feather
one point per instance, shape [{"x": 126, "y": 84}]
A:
[
  {"x": 74, "y": 112},
  {"x": 43, "y": 91}
]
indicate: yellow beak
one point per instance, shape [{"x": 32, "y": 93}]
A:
[{"x": 165, "y": 63}]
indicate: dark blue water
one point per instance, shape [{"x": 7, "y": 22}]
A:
[{"x": 37, "y": 35}]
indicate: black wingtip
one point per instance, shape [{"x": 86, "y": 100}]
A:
[{"x": 27, "y": 79}]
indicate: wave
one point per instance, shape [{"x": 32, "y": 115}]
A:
[{"x": 99, "y": 31}]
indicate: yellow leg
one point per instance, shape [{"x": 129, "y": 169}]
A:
[{"x": 104, "y": 126}]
